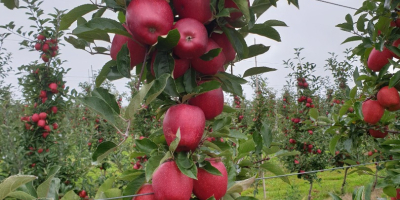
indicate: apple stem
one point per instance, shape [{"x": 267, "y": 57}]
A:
[{"x": 141, "y": 71}]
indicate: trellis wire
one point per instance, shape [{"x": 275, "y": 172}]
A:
[{"x": 271, "y": 177}]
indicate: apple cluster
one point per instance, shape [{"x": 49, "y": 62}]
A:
[
  {"x": 307, "y": 101},
  {"x": 302, "y": 83},
  {"x": 48, "y": 47},
  {"x": 373, "y": 110}
]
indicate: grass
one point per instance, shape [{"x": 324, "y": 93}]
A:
[{"x": 331, "y": 181}]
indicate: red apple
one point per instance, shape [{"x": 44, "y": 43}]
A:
[
  {"x": 199, "y": 10},
  {"x": 211, "y": 103},
  {"x": 43, "y": 94},
  {"x": 47, "y": 128},
  {"x": 54, "y": 109},
  {"x": 208, "y": 185},
  {"x": 370, "y": 153},
  {"x": 388, "y": 97},
  {"x": 45, "y": 48},
  {"x": 40, "y": 150},
  {"x": 41, "y": 37},
  {"x": 233, "y": 15},
  {"x": 190, "y": 120},
  {"x": 45, "y": 58},
  {"x": 45, "y": 134},
  {"x": 378, "y": 59},
  {"x": 55, "y": 126},
  {"x": 148, "y": 19},
  {"x": 82, "y": 194},
  {"x": 227, "y": 48},
  {"x": 193, "y": 40},
  {"x": 372, "y": 111},
  {"x": 35, "y": 117},
  {"x": 378, "y": 133},
  {"x": 170, "y": 184},
  {"x": 38, "y": 46},
  {"x": 210, "y": 67},
  {"x": 42, "y": 115},
  {"x": 41, "y": 123},
  {"x": 137, "y": 51},
  {"x": 146, "y": 188}
]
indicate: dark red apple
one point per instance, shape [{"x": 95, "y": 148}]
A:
[
  {"x": 45, "y": 48},
  {"x": 41, "y": 37},
  {"x": 180, "y": 67},
  {"x": 42, "y": 115},
  {"x": 208, "y": 185},
  {"x": 199, "y": 10},
  {"x": 148, "y": 19},
  {"x": 388, "y": 97},
  {"x": 190, "y": 120},
  {"x": 193, "y": 41},
  {"x": 378, "y": 59},
  {"x": 136, "y": 51},
  {"x": 227, "y": 48},
  {"x": 170, "y": 184},
  {"x": 211, "y": 103},
  {"x": 54, "y": 109},
  {"x": 38, "y": 46},
  {"x": 234, "y": 15},
  {"x": 35, "y": 117},
  {"x": 210, "y": 67},
  {"x": 372, "y": 111},
  {"x": 44, "y": 57},
  {"x": 377, "y": 133},
  {"x": 146, "y": 188}
]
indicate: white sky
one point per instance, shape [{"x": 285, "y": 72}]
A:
[{"x": 311, "y": 27}]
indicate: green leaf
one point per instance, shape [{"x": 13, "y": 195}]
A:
[
  {"x": 21, "y": 195},
  {"x": 334, "y": 196},
  {"x": 241, "y": 186},
  {"x": 182, "y": 162},
  {"x": 103, "y": 150},
  {"x": 134, "y": 186},
  {"x": 286, "y": 153},
  {"x": 228, "y": 109},
  {"x": 206, "y": 87},
  {"x": 237, "y": 41},
  {"x": 314, "y": 114},
  {"x": 174, "y": 144},
  {"x": 395, "y": 79},
  {"x": 100, "y": 49},
  {"x": 135, "y": 103},
  {"x": 220, "y": 123},
  {"x": 10, "y": 4},
  {"x": 189, "y": 80},
  {"x": 12, "y": 183},
  {"x": 151, "y": 166},
  {"x": 97, "y": 29},
  {"x": 112, "y": 193},
  {"x": 343, "y": 110},
  {"x": 163, "y": 63},
  {"x": 211, "y": 54},
  {"x": 145, "y": 145},
  {"x": 390, "y": 191},
  {"x": 355, "y": 77},
  {"x": 107, "y": 97},
  {"x": 332, "y": 144},
  {"x": 101, "y": 107},
  {"x": 108, "y": 184},
  {"x": 114, "y": 74},
  {"x": 257, "y": 70},
  {"x": 244, "y": 8},
  {"x": 124, "y": 61},
  {"x": 266, "y": 31},
  {"x": 77, "y": 43},
  {"x": 104, "y": 72},
  {"x": 74, "y": 14},
  {"x": 121, "y": 17},
  {"x": 211, "y": 169},
  {"x": 276, "y": 170},
  {"x": 157, "y": 88},
  {"x": 168, "y": 42},
  {"x": 368, "y": 191},
  {"x": 352, "y": 39},
  {"x": 44, "y": 188},
  {"x": 353, "y": 92},
  {"x": 71, "y": 195},
  {"x": 257, "y": 49},
  {"x": 358, "y": 110},
  {"x": 266, "y": 134}
]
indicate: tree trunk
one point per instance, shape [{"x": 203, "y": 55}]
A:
[
  {"x": 376, "y": 179},
  {"x": 344, "y": 180},
  {"x": 309, "y": 192}
]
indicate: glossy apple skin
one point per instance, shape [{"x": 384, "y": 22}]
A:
[
  {"x": 211, "y": 103},
  {"x": 170, "y": 184},
  {"x": 227, "y": 48},
  {"x": 377, "y": 133},
  {"x": 208, "y": 185},
  {"x": 388, "y": 97},
  {"x": 148, "y": 19},
  {"x": 190, "y": 120},
  {"x": 180, "y": 67},
  {"x": 193, "y": 40},
  {"x": 146, "y": 188},
  {"x": 372, "y": 111},
  {"x": 136, "y": 51},
  {"x": 199, "y": 10},
  {"x": 210, "y": 67},
  {"x": 378, "y": 59}
]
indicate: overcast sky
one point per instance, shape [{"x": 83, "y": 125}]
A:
[{"x": 311, "y": 27}]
